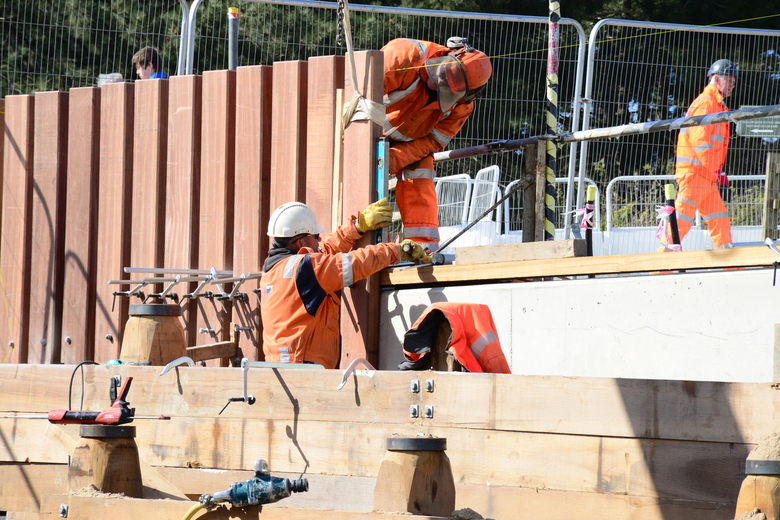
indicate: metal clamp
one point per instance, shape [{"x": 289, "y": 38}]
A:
[
  {"x": 351, "y": 370},
  {"x": 245, "y": 398},
  {"x": 176, "y": 362}
]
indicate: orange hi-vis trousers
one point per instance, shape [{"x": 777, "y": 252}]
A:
[
  {"x": 701, "y": 192},
  {"x": 415, "y": 194}
]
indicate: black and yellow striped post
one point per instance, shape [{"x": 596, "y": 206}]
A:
[{"x": 551, "y": 120}]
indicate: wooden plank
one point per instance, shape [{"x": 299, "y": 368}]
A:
[
  {"x": 223, "y": 349},
  {"x": 552, "y": 504},
  {"x": 22, "y": 486},
  {"x": 522, "y": 251},
  {"x": 80, "y": 256},
  {"x": 326, "y": 74},
  {"x": 89, "y": 508},
  {"x": 743, "y": 256},
  {"x": 48, "y": 226},
  {"x": 726, "y": 412},
  {"x": 182, "y": 189},
  {"x": 115, "y": 191},
  {"x": 216, "y": 197},
  {"x": 590, "y": 464},
  {"x": 589, "y": 435},
  {"x": 147, "y": 248},
  {"x": 16, "y": 228},
  {"x": 254, "y": 90},
  {"x": 360, "y": 302},
  {"x": 288, "y": 135},
  {"x": 327, "y": 492},
  {"x": 324, "y": 490}
]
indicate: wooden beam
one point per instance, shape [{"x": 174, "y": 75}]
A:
[
  {"x": 288, "y": 135},
  {"x": 743, "y": 256},
  {"x": 487, "y": 500},
  {"x": 149, "y": 163},
  {"x": 254, "y": 90},
  {"x": 182, "y": 211},
  {"x": 360, "y": 302},
  {"x": 16, "y": 231},
  {"x": 217, "y": 192},
  {"x": 326, "y": 74},
  {"x": 80, "y": 258},
  {"x": 735, "y": 412},
  {"x": 522, "y": 251},
  {"x": 115, "y": 191},
  {"x": 89, "y": 508},
  {"x": 223, "y": 349},
  {"x": 50, "y": 176}
]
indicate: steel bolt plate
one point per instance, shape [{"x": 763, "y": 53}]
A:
[
  {"x": 762, "y": 467},
  {"x": 106, "y": 430},
  {"x": 416, "y": 444}
]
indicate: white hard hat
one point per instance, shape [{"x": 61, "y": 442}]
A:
[{"x": 291, "y": 219}]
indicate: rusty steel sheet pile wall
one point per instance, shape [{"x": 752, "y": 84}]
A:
[{"x": 176, "y": 174}]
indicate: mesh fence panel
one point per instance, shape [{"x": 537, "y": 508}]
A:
[{"x": 640, "y": 71}]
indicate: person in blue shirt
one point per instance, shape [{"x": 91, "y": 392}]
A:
[{"x": 148, "y": 64}]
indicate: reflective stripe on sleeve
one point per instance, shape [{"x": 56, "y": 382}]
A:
[
  {"x": 347, "y": 275},
  {"x": 440, "y": 137},
  {"x": 702, "y": 147},
  {"x": 398, "y": 95}
]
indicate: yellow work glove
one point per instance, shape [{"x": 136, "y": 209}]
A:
[
  {"x": 411, "y": 251},
  {"x": 375, "y": 216}
]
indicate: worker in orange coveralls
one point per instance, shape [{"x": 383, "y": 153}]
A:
[
  {"x": 429, "y": 93},
  {"x": 701, "y": 154},
  {"x": 299, "y": 304}
]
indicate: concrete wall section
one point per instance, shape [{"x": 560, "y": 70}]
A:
[{"x": 710, "y": 326}]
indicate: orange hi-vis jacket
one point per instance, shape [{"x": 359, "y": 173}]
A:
[
  {"x": 417, "y": 128},
  {"x": 298, "y": 301},
  {"x": 474, "y": 341},
  {"x": 701, "y": 154}
]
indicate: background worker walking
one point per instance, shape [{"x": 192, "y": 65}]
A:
[
  {"x": 429, "y": 93},
  {"x": 701, "y": 154},
  {"x": 299, "y": 304}
]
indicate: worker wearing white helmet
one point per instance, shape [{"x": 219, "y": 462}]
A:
[{"x": 299, "y": 304}]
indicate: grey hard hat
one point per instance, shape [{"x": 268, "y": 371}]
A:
[{"x": 723, "y": 68}]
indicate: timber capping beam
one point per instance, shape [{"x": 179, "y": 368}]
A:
[{"x": 737, "y": 257}]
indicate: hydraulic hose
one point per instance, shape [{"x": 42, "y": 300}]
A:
[{"x": 194, "y": 509}]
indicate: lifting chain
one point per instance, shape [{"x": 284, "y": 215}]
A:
[{"x": 340, "y": 23}]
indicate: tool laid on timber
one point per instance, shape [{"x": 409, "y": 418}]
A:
[
  {"x": 119, "y": 413},
  {"x": 439, "y": 258},
  {"x": 262, "y": 489},
  {"x": 249, "y": 399}
]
